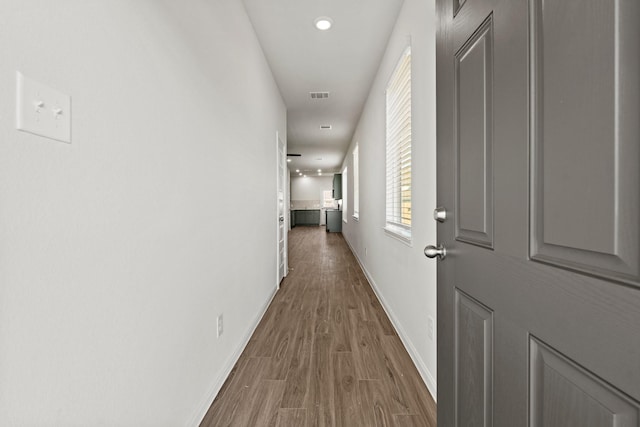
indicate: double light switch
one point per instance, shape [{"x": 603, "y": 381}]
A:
[{"x": 43, "y": 111}]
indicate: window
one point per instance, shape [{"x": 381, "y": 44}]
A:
[
  {"x": 356, "y": 184},
  {"x": 398, "y": 112},
  {"x": 344, "y": 195},
  {"x": 328, "y": 202}
]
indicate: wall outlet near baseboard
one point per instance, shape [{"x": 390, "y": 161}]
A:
[{"x": 220, "y": 325}]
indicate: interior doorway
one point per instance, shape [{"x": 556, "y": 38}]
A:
[{"x": 281, "y": 217}]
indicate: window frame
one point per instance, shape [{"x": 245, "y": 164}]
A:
[
  {"x": 345, "y": 212},
  {"x": 356, "y": 182},
  {"x": 398, "y": 148}
]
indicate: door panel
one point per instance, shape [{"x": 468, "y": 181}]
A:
[
  {"x": 564, "y": 394},
  {"x": 474, "y": 121},
  {"x": 585, "y": 217},
  {"x": 550, "y": 92},
  {"x": 470, "y": 16},
  {"x": 457, "y": 4},
  {"x": 474, "y": 362}
]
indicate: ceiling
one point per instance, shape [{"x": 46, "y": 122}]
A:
[{"x": 342, "y": 61}]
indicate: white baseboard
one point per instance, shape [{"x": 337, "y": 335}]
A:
[
  {"x": 427, "y": 377},
  {"x": 204, "y": 406}
]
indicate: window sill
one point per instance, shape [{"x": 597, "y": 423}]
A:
[{"x": 398, "y": 233}]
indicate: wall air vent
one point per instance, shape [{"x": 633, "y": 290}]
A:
[
  {"x": 319, "y": 95},
  {"x": 325, "y": 127}
]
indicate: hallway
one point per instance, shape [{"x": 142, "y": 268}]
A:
[{"x": 325, "y": 353}]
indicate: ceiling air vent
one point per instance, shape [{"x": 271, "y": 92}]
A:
[
  {"x": 326, "y": 127},
  {"x": 319, "y": 95}
]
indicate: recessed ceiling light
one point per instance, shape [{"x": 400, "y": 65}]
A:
[
  {"x": 323, "y": 23},
  {"x": 297, "y": 170},
  {"x": 289, "y": 160},
  {"x": 305, "y": 176},
  {"x": 319, "y": 173},
  {"x": 319, "y": 170}
]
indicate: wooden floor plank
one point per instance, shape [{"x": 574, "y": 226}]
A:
[
  {"x": 374, "y": 411},
  {"x": 319, "y": 389},
  {"x": 378, "y": 404},
  {"x": 325, "y": 353},
  {"x": 338, "y": 317},
  {"x": 346, "y": 406},
  {"x": 404, "y": 379},
  {"x": 227, "y": 407},
  {"x": 369, "y": 361},
  {"x": 297, "y": 383},
  {"x": 288, "y": 417},
  {"x": 261, "y": 405},
  {"x": 411, "y": 421}
]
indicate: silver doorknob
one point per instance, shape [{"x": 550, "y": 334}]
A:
[
  {"x": 440, "y": 214},
  {"x": 433, "y": 251}
]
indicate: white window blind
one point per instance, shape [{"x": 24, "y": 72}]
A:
[
  {"x": 356, "y": 183},
  {"x": 398, "y": 111}
]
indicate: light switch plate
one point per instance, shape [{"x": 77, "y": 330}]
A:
[{"x": 42, "y": 111}]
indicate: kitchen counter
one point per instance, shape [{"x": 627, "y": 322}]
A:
[{"x": 305, "y": 217}]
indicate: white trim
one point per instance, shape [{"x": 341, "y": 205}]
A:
[
  {"x": 355, "y": 173},
  {"x": 399, "y": 233},
  {"x": 345, "y": 194},
  {"x": 206, "y": 403},
  {"x": 427, "y": 377},
  {"x": 287, "y": 206},
  {"x": 285, "y": 227},
  {"x": 277, "y": 211}
]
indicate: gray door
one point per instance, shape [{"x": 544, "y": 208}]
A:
[{"x": 538, "y": 160}]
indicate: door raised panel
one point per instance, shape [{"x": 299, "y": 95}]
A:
[
  {"x": 474, "y": 138},
  {"x": 564, "y": 394},
  {"x": 474, "y": 362},
  {"x": 457, "y": 5},
  {"x": 584, "y": 76}
]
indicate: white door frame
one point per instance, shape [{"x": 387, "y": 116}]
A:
[{"x": 281, "y": 162}]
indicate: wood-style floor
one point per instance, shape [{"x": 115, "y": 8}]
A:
[{"x": 325, "y": 353}]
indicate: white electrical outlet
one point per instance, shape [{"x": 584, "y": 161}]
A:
[
  {"x": 42, "y": 110},
  {"x": 220, "y": 325},
  {"x": 430, "y": 327}
]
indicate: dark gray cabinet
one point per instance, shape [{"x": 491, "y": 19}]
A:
[
  {"x": 337, "y": 186},
  {"x": 334, "y": 221},
  {"x": 306, "y": 217}
]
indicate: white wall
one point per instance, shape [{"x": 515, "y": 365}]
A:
[
  {"x": 403, "y": 278},
  {"x": 118, "y": 251},
  {"x": 311, "y": 187}
]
